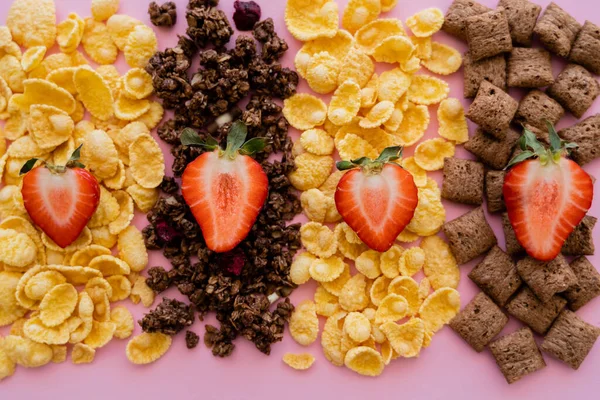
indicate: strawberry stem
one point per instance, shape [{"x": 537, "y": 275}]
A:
[
  {"x": 388, "y": 155},
  {"x": 532, "y": 147},
  {"x": 236, "y": 141},
  {"x": 57, "y": 169}
]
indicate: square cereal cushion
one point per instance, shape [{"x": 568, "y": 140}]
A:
[
  {"x": 575, "y": 89},
  {"x": 497, "y": 276},
  {"x": 522, "y": 16},
  {"x": 488, "y": 34},
  {"x": 494, "y": 181},
  {"x": 463, "y": 181},
  {"x": 529, "y": 68},
  {"x": 587, "y": 136},
  {"x": 493, "y": 152},
  {"x": 587, "y": 287},
  {"x": 557, "y": 30},
  {"x": 469, "y": 235},
  {"x": 586, "y": 49},
  {"x": 546, "y": 278},
  {"x": 570, "y": 339},
  {"x": 493, "y": 109},
  {"x": 513, "y": 247},
  {"x": 492, "y": 69},
  {"x": 581, "y": 241},
  {"x": 530, "y": 310},
  {"x": 517, "y": 355},
  {"x": 536, "y": 108},
  {"x": 479, "y": 322},
  {"x": 459, "y": 11}
]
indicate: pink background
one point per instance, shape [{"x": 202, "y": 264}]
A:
[{"x": 448, "y": 369}]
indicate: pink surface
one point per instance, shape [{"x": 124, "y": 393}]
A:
[{"x": 449, "y": 368}]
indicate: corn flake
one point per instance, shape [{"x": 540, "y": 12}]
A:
[
  {"x": 431, "y": 153},
  {"x": 32, "y": 22},
  {"x": 336, "y": 286},
  {"x": 132, "y": 249},
  {"x": 379, "y": 290},
  {"x": 414, "y": 125},
  {"x": 12, "y": 73},
  {"x": 102, "y": 236},
  {"x": 141, "y": 45},
  {"x": 378, "y": 115},
  {"x": 338, "y": 46},
  {"x": 317, "y": 141},
  {"x": 94, "y": 93},
  {"x": 308, "y": 20},
  {"x": 368, "y": 264},
  {"x": 69, "y": 33},
  {"x": 58, "y": 304},
  {"x": 109, "y": 265},
  {"x": 393, "y": 84},
  {"x": 128, "y": 109},
  {"x": 16, "y": 125},
  {"x": 314, "y": 205},
  {"x": 137, "y": 84},
  {"x": 389, "y": 262},
  {"x": 405, "y": 339},
  {"x": 444, "y": 60},
  {"x": 121, "y": 288},
  {"x": 364, "y": 361},
  {"x": 311, "y": 171},
  {"x": 299, "y": 270},
  {"x": 107, "y": 211},
  {"x": 392, "y": 308},
  {"x": 427, "y": 90},
  {"x": 352, "y": 146},
  {"x": 322, "y": 72},
  {"x": 354, "y": 296},
  {"x": 49, "y": 126},
  {"x": 101, "y": 334},
  {"x": 358, "y": 13},
  {"x": 82, "y": 354},
  {"x": 368, "y": 94},
  {"x": 304, "y": 323},
  {"x": 10, "y": 309},
  {"x": 412, "y": 261},
  {"x": 32, "y": 57},
  {"x": 439, "y": 308},
  {"x": 299, "y": 361},
  {"x": 304, "y": 111},
  {"x": 394, "y": 49},
  {"x": 318, "y": 239},
  {"x": 116, "y": 182},
  {"x": 426, "y": 22},
  {"x": 357, "y": 327},
  {"x": 345, "y": 103},
  {"x": 141, "y": 292},
  {"x": 39, "y": 91},
  {"x": 452, "y": 121},
  {"x": 123, "y": 321},
  {"x": 26, "y": 352},
  {"x": 147, "y": 162},
  {"x": 153, "y": 116},
  {"x": 331, "y": 339},
  {"x": 409, "y": 289},
  {"x": 440, "y": 265},
  {"x": 35, "y": 330},
  {"x": 423, "y": 47},
  {"x": 97, "y": 42},
  {"x": 429, "y": 215},
  {"x": 326, "y": 303},
  {"x": 146, "y": 348},
  {"x": 369, "y": 36},
  {"x": 326, "y": 269},
  {"x": 41, "y": 283},
  {"x": 357, "y": 66}
]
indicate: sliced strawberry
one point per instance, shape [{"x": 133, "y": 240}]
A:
[
  {"x": 377, "y": 201},
  {"x": 546, "y": 197},
  {"x": 225, "y": 191},
  {"x": 61, "y": 203}
]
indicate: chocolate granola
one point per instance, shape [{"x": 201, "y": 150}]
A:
[{"x": 239, "y": 286}]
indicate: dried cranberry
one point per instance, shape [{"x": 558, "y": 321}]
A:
[
  {"x": 233, "y": 261},
  {"x": 247, "y": 13},
  {"x": 165, "y": 232}
]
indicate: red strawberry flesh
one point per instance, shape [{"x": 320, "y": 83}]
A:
[
  {"x": 225, "y": 196},
  {"x": 61, "y": 204},
  {"x": 545, "y": 203},
  {"x": 377, "y": 206}
]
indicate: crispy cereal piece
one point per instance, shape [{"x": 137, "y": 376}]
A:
[
  {"x": 32, "y": 22},
  {"x": 82, "y": 354},
  {"x": 326, "y": 269},
  {"x": 49, "y": 126},
  {"x": 409, "y": 289},
  {"x": 440, "y": 265},
  {"x": 411, "y": 261},
  {"x": 379, "y": 290},
  {"x": 452, "y": 121},
  {"x": 18, "y": 249},
  {"x": 426, "y": 22},
  {"x": 123, "y": 321},
  {"x": 97, "y": 42},
  {"x": 345, "y": 103},
  {"x": 336, "y": 286},
  {"x": 393, "y": 307},
  {"x": 58, "y": 304},
  {"x": 318, "y": 239},
  {"x": 418, "y": 173},
  {"x": 389, "y": 262},
  {"x": 304, "y": 323},
  {"x": 359, "y": 13},
  {"x": 430, "y": 154},
  {"x": 414, "y": 124},
  {"x": 35, "y": 330},
  {"x": 394, "y": 49},
  {"x": 406, "y": 339},
  {"x": 299, "y": 361},
  {"x": 439, "y": 308},
  {"x": 364, "y": 361},
  {"x": 378, "y": 115},
  {"x": 368, "y": 264},
  {"x": 121, "y": 288},
  {"x": 10, "y": 309},
  {"x": 147, "y": 162},
  {"x": 322, "y": 72},
  {"x": 326, "y": 303},
  {"x": 357, "y": 326},
  {"x": 358, "y": 66},
  {"x": 141, "y": 45},
  {"x": 141, "y": 292},
  {"x": 119, "y": 27},
  {"x": 146, "y": 348},
  {"x": 32, "y": 58},
  {"x": 353, "y": 296},
  {"x": 101, "y": 334},
  {"x": 352, "y": 146},
  {"x": 444, "y": 60},
  {"x": 132, "y": 249},
  {"x": 331, "y": 339},
  {"x": 393, "y": 84},
  {"x": 317, "y": 141},
  {"x": 430, "y": 214},
  {"x": 309, "y": 20},
  {"x": 369, "y": 36},
  {"x": 338, "y": 46},
  {"x": 311, "y": 171},
  {"x": 427, "y": 90},
  {"x": 26, "y": 352},
  {"x": 299, "y": 270},
  {"x": 304, "y": 111},
  {"x": 39, "y": 91}
]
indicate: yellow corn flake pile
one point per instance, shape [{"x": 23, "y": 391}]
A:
[
  {"x": 380, "y": 312},
  {"x": 52, "y": 296}
]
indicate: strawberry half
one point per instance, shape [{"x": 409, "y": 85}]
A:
[
  {"x": 546, "y": 196},
  {"x": 377, "y": 199},
  {"x": 60, "y": 199},
  {"x": 225, "y": 189}
]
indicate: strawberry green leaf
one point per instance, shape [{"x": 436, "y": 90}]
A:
[
  {"x": 390, "y": 154},
  {"x": 520, "y": 158},
  {"x": 345, "y": 165},
  {"x": 252, "y": 146},
  {"x": 189, "y": 137},
  {"x": 236, "y": 137},
  {"x": 76, "y": 154},
  {"x": 28, "y": 166},
  {"x": 361, "y": 161},
  {"x": 555, "y": 142},
  {"x": 532, "y": 142}
]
